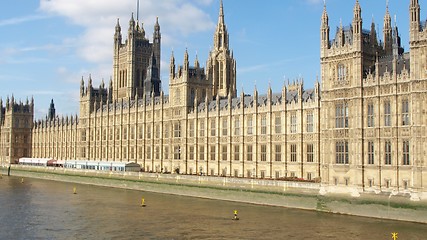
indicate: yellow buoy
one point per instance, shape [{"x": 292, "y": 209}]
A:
[
  {"x": 235, "y": 216},
  {"x": 22, "y": 180},
  {"x": 74, "y": 190},
  {"x": 143, "y": 202}
]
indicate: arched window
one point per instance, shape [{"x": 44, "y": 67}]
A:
[
  {"x": 177, "y": 96},
  {"x": 342, "y": 72}
]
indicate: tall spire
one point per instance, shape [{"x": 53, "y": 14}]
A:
[
  {"x": 172, "y": 67},
  {"x": 196, "y": 62},
  {"x": 186, "y": 61},
  {"x": 387, "y": 17},
  {"x": 118, "y": 34},
  {"x": 118, "y": 28},
  {"x": 157, "y": 34},
  {"x": 357, "y": 9},
  {"x": 221, "y": 66},
  {"x": 131, "y": 23},
  {"x": 387, "y": 31},
  {"x": 221, "y": 13},
  {"x": 325, "y": 28},
  {"x": 157, "y": 41},
  {"x": 357, "y": 25},
  {"x": 51, "y": 113},
  {"x": 221, "y": 34},
  {"x": 157, "y": 25},
  {"x": 357, "y": 18},
  {"x": 325, "y": 17}
]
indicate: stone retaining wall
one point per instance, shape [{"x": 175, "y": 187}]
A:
[{"x": 264, "y": 192}]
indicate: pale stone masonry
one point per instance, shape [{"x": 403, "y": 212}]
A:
[{"x": 363, "y": 126}]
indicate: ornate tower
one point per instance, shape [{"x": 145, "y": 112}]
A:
[
  {"x": 188, "y": 83},
  {"x": 221, "y": 66},
  {"x": 16, "y": 123},
  {"x": 344, "y": 62},
  {"x": 132, "y": 59}
]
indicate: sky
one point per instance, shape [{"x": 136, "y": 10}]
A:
[{"x": 47, "y": 46}]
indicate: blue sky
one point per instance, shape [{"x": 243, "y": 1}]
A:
[{"x": 46, "y": 46}]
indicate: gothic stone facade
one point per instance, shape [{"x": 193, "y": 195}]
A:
[{"x": 366, "y": 128}]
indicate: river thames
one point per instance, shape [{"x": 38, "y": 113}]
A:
[{"x": 40, "y": 209}]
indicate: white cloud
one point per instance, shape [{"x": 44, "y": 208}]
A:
[
  {"x": 23, "y": 19},
  {"x": 23, "y": 54},
  {"x": 54, "y": 48},
  {"x": 177, "y": 18}
]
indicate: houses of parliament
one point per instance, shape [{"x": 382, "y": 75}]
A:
[{"x": 363, "y": 125}]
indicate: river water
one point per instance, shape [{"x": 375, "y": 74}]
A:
[{"x": 39, "y": 209}]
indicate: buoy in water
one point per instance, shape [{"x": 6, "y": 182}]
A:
[
  {"x": 74, "y": 190},
  {"x": 22, "y": 180},
  {"x": 235, "y": 218},
  {"x": 143, "y": 202}
]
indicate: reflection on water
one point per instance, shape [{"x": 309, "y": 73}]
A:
[{"x": 38, "y": 209}]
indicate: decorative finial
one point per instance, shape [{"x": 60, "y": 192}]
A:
[{"x": 221, "y": 13}]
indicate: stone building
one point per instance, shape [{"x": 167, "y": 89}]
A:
[
  {"x": 373, "y": 109},
  {"x": 16, "y": 125},
  {"x": 363, "y": 126}
]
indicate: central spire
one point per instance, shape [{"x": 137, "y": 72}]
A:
[
  {"x": 221, "y": 13},
  {"x": 221, "y": 66},
  {"x": 221, "y": 35}
]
